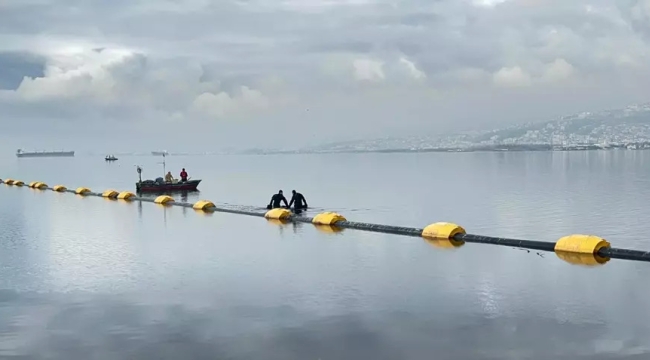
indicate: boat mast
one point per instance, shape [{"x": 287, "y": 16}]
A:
[{"x": 164, "y": 166}]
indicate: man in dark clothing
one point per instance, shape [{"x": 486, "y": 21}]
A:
[
  {"x": 299, "y": 202},
  {"x": 183, "y": 175},
  {"x": 276, "y": 200}
]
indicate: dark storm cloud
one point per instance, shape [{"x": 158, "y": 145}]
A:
[{"x": 14, "y": 66}]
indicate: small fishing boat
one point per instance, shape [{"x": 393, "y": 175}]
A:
[
  {"x": 110, "y": 158},
  {"x": 159, "y": 185}
]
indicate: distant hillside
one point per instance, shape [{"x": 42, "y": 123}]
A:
[{"x": 610, "y": 128}]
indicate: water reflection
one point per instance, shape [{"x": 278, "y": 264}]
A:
[
  {"x": 296, "y": 227},
  {"x": 74, "y": 327},
  {"x": 140, "y": 209},
  {"x": 279, "y": 223},
  {"x": 86, "y": 277},
  {"x": 184, "y": 196}
]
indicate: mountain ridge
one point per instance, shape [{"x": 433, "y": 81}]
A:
[{"x": 627, "y": 127}]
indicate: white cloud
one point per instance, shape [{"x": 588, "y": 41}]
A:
[
  {"x": 512, "y": 77},
  {"x": 557, "y": 71},
  {"x": 113, "y": 78},
  {"x": 221, "y": 104},
  {"x": 74, "y": 73},
  {"x": 413, "y": 71},
  {"x": 641, "y": 10},
  {"x": 212, "y": 62},
  {"x": 488, "y": 3},
  {"x": 368, "y": 69}
]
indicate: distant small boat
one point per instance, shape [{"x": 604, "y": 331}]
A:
[
  {"x": 110, "y": 158},
  {"x": 159, "y": 153}
]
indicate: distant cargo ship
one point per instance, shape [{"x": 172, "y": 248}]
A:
[
  {"x": 21, "y": 153},
  {"x": 159, "y": 153}
]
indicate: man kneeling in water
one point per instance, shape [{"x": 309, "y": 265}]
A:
[
  {"x": 299, "y": 201},
  {"x": 276, "y": 200}
]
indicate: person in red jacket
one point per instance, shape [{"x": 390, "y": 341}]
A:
[{"x": 183, "y": 175}]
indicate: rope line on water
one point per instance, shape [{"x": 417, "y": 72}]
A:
[{"x": 577, "y": 249}]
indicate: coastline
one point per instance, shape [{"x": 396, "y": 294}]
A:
[{"x": 478, "y": 148}]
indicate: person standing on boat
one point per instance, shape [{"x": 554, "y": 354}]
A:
[
  {"x": 299, "y": 202},
  {"x": 169, "y": 177},
  {"x": 276, "y": 200},
  {"x": 183, "y": 175}
]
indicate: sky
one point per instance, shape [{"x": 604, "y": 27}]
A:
[{"x": 200, "y": 74}]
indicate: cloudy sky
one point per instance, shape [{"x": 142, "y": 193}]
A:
[{"x": 247, "y": 73}]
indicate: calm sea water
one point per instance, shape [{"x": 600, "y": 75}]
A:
[{"x": 97, "y": 279}]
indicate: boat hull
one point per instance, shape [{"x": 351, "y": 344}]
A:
[
  {"x": 46, "y": 154},
  {"x": 151, "y": 187}
]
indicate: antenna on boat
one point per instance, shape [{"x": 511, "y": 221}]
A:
[
  {"x": 164, "y": 164},
  {"x": 138, "y": 168}
]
